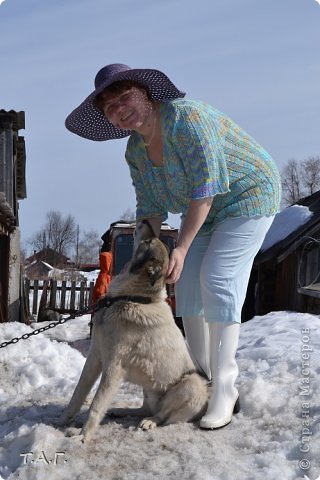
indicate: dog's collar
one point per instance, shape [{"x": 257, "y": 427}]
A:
[{"x": 107, "y": 302}]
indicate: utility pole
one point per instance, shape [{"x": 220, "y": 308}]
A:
[{"x": 77, "y": 247}]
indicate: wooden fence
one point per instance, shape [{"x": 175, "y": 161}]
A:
[{"x": 61, "y": 296}]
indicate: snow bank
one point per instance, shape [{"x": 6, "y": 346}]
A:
[
  {"x": 264, "y": 441},
  {"x": 286, "y": 222}
]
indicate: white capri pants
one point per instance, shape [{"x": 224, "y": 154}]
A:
[{"x": 217, "y": 269}]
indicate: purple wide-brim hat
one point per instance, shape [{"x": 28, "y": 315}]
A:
[{"x": 88, "y": 121}]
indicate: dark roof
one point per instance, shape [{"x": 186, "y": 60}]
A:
[
  {"x": 280, "y": 250},
  {"x": 39, "y": 263},
  {"x": 47, "y": 252}
]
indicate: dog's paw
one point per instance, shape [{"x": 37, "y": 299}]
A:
[
  {"x": 80, "y": 438},
  {"x": 147, "y": 424},
  {"x": 76, "y": 435}
]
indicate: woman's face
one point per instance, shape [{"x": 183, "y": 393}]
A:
[{"x": 128, "y": 110}]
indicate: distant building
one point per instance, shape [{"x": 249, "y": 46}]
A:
[
  {"x": 12, "y": 189},
  {"x": 50, "y": 256},
  {"x": 38, "y": 270},
  {"x": 286, "y": 271}
]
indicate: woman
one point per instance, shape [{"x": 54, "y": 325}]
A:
[{"x": 186, "y": 157}]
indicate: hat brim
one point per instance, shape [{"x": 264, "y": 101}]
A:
[{"x": 88, "y": 121}]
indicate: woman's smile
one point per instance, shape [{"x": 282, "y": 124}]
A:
[{"x": 129, "y": 119}]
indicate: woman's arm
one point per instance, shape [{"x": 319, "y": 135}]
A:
[{"x": 197, "y": 213}]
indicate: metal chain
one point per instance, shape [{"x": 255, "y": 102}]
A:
[{"x": 48, "y": 327}]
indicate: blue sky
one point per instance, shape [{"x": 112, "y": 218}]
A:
[{"x": 256, "y": 60}]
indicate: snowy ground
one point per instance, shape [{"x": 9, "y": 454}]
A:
[{"x": 275, "y": 436}]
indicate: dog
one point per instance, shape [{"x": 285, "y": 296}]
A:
[{"x": 135, "y": 338}]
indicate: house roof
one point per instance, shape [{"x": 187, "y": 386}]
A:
[
  {"x": 37, "y": 263},
  {"x": 46, "y": 252},
  {"x": 290, "y": 229}
]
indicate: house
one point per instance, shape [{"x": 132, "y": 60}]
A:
[
  {"x": 50, "y": 256},
  {"x": 12, "y": 189},
  {"x": 286, "y": 271}
]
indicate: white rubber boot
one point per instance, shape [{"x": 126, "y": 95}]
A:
[
  {"x": 224, "y": 398},
  {"x": 196, "y": 330}
]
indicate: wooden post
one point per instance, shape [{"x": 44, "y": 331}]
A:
[{"x": 27, "y": 285}]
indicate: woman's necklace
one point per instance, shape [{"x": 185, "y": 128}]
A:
[{"x": 147, "y": 144}]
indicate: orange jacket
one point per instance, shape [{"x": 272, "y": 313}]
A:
[{"x": 102, "y": 283}]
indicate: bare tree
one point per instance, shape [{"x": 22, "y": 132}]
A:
[
  {"x": 300, "y": 179},
  {"x": 291, "y": 182},
  {"x": 311, "y": 175},
  {"x": 58, "y": 233},
  {"x": 38, "y": 240},
  {"x": 61, "y": 231},
  {"x": 89, "y": 247},
  {"x": 128, "y": 215}
]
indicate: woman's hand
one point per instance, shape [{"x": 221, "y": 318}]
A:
[{"x": 176, "y": 262}]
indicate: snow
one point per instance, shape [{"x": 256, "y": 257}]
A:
[
  {"x": 90, "y": 276},
  {"x": 286, "y": 222},
  {"x": 46, "y": 264},
  {"x": 265, "y": 441}
]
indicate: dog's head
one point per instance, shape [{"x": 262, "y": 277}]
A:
[{"x": 150, "y": 261}]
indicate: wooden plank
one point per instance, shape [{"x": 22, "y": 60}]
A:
[
  {"x": 43, "y": 304},
  {"x": 35, "y": 297},
  {"x": 73, "y": 295},
  {"x": 53, "y": 294},
  {"x": 82, "y": 289},
  {"x": 63, "y": 294},
  {"x": 90, "y": 301}
]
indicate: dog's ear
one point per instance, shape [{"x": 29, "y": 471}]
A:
[{"x": 154, "y": 273}]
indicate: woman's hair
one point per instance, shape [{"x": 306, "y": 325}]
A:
[{"x": 117, "y": 88}]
